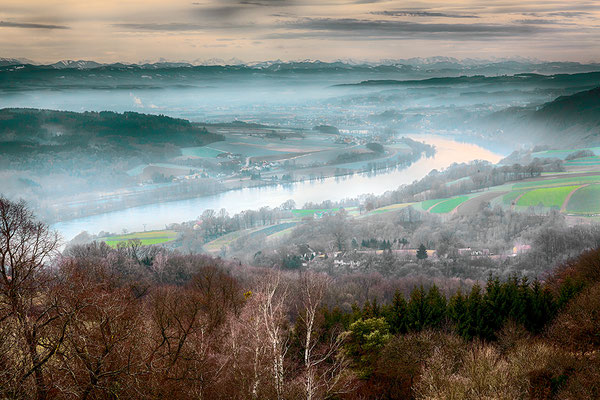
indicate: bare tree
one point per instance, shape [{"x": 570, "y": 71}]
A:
[
  {"x": 25, "y": 246},
  {"x": 101, "y": 352},
  {"x": 324, "y": 366},
  {"x": 272, "y": 309}
]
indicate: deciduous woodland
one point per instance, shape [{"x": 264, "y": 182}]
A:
[{"x": 143, "y": 322}]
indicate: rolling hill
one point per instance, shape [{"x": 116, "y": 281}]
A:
[{"x": 566, "y": 121}]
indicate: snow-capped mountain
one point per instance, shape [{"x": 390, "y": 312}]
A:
[
  {"x": 79, "y": 64},
  {"x": 5, "y": 62}
]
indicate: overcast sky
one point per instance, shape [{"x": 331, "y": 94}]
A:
[{"x": 253, "y": 30}]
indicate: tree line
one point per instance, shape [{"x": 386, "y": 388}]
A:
[{"x": 146, "y": 323}]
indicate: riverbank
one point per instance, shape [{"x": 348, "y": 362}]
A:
[
  {"x": 158, "y": 215},
  {"x": 100, "y": 203}
]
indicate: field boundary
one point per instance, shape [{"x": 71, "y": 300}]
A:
[{"x": 563, "y": 208}]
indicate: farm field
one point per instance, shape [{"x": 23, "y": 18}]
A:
[
  {"x": 510, "y": 197},
  {"x": 216, "y": 245},
  {"x": 584, "y": 162},
  {"x": 147, "y": 238},
  {"x": 448, "y": 205},
  {"x": 203, "y": 151},
  {"x": 273, "y": 229},
  {"x": 576, "y": 180},
  {"x": 255, "y": 146},
  {"x": 386, "y": 209},
  {"x": 473, "y": 205},
  {"x": 548, "y": 197},
  {"x": 585, "y": 201},
  {"x": 427, "y": 204},
  {"x": 563, "y": 153},
  {"x": 245, "y": 149}
]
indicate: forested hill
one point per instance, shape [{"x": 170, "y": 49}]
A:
[
  {"x": 580, "y": 108},
  {"x": 576, "y": 117},
  {"x": 519, "y": 80},
  {"x": 49, "y": 130},
  {"x": 568, "y": 120}
]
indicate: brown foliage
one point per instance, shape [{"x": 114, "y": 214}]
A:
[{"x": 577, "y": 327}]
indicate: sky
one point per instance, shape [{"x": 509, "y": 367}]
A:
[{"x": 258, "y": 30}]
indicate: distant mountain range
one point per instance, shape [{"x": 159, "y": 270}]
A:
[{"x": 433, "y": 64}]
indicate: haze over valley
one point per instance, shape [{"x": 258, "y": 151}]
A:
[{"x": 297, "y": 199}]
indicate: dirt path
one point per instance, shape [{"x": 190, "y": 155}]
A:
[
  {"x": 515, "y": 201},
  {"x": 566, "y": 202},
  {"x": 471, "y": 206}
]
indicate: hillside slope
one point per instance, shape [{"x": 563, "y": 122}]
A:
[
  {"x": 566, "y": 121},
  {"x": 26, "y": 130}
]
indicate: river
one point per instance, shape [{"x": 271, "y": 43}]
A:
[{"x": 156, "y": 216}]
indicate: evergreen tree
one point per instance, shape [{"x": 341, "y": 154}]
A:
[
  {"x": 416, "y": 311},
  {"x": 457, "y": 312},
  {"x": 477, "y": 317},
  {"x": 395, "y": 314},
  {"x": 435, "y": 308},
  {"x": 422, "y": 252},
  {"x": 542, "y": 310},
  {"x": 364, "y": 341}
]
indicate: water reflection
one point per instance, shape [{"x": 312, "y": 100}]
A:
[{"x": 156, "y": 216}]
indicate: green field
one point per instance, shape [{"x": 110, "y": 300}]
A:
[
  {"x": 557, "y": 182},
  {"x": 548, "y": 197},
  {"x": 147, "y": 238},
  {"x": 449, "y": 205},
  {"x": 509, "y": 197},
  {"x": 306, "y": 213},
  {"x": 585, "y": 201},
  {"x": 427, "y": 204},
  {"x": 393, "y": 207}
]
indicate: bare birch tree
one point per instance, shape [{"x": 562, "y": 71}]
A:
[{"x": 325, "y": 369}]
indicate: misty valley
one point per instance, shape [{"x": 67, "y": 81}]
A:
[{"x": 409, "y": 229}]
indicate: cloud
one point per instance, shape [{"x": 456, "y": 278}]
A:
[
  {"x": 569, "y": 14},
  {"x": 537, "y": 21},
  {"x": 268, "y": 3},
  {"x": 31, "y": 26},
  {"x": 399, "y": 13},
  {"x": 166, "y": 27},
  {"x": 385, "y": 29},
  {"x": 564, "y": 14},
  {"x": 226, "y": 12}
]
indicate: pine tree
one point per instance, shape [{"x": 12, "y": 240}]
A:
[
  {"x": 416, "y": 311},
  {"x": 542, "y": 309},
  {"x": 436, "y": 308},
  {"x": 478, "y": 315},
  {"x": 395, "y": 314},
  {"x": 457, "y": 312},
  {"x": 422, "y": 252}
]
